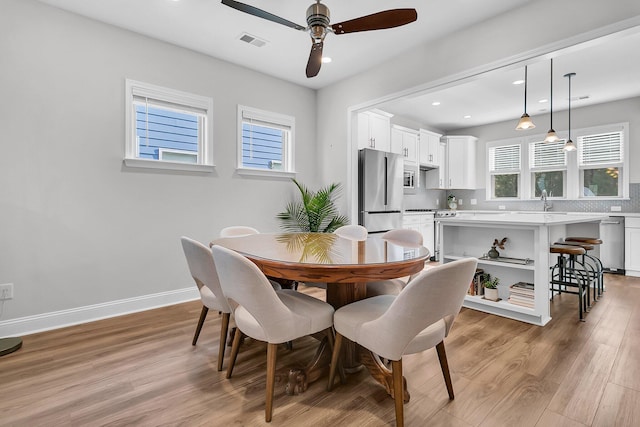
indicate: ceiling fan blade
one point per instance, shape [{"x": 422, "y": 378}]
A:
[
  {"x": 315, "y": 60},
  {"x": 377, "y": 21},
  {"x": 251, "y": 10}
]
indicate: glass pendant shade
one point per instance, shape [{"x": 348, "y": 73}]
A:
[
  {"x": 569, "y": 146},
  {"x": 551, "y": 136},
  {"x": 525, "y": 121}
]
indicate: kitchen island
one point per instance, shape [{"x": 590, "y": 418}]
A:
[{"x": 525, "y": 258}]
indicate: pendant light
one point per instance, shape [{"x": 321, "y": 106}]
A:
[
  {"x": 525, "y": 121},
  {"x": 569, "y": 145},
  {"x": 551, "y": 135}
]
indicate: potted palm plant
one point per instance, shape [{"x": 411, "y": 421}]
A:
[
  {"x": 491, "y": 287},
  {"x": 315, "y": 211}
]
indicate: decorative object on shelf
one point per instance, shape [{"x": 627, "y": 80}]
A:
[
  {"x": 452, "y": 202},
  {"x": 525, "y": 121},
  {"x": 493, "y": 252},
  {"x": 315, "y": 212},
  {"x": 491, "y": 287}
]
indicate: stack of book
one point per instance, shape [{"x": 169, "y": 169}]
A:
[
  {"x": 522, "y": 294},
  {"x": 475, "y": 287}
]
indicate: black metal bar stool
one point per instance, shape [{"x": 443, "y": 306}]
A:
[
  {"x": 595, "y": 261},
  {"x": 588, "y": 268},
  {"x": 566, "y": 273}
]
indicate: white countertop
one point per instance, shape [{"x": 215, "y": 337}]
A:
[{"x": 523, "y": 218}]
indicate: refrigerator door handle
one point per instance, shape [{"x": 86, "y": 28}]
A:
[{"x": 386, "y": 168}]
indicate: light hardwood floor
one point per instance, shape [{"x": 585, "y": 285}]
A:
[{"x": 141, "y": 370}]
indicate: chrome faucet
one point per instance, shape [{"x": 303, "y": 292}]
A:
[{"x": 546, "y": 206}]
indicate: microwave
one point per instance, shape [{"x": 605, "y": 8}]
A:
[{"x": 409, "y": 180}]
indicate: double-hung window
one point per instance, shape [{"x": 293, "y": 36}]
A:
[
  {"x": 167, "y": 129},
  {"x": 504, "y": 171},
  {"x": 601, "y": 164},
  {"x": 265, "y": 143},
  {"x": 548, "y": 167}
]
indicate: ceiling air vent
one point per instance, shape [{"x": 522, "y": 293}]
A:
[{"x": 248, "y": 38}]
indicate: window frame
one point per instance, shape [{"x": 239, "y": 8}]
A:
[
  {"x": 548, "y": 168},
  {"x": 169, "y": 99},
  {"x": 491, "y": 173},
  {"x": 270, "y": 119}
]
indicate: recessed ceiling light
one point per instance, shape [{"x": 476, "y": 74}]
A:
[
  {"x": 543, "y": 100},
  {"x": 326, "y": 59},
  {"x": 518, "y": 82},
  {"x": 467, "y": 116},
  {"x": 435, "y": 103}
]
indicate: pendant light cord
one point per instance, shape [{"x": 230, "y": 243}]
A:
[
  {"x": 569, "y": 107},
  {"x": 525, "y": 89},
  {"x": 551, "y": 98}
]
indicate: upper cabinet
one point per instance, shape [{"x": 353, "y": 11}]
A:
[
  {"x": 405, "y": 141},
  {"x": 429, "y": 149},
  {"x": 461, "y": 162},
  {"x": 457, "y": 171},
  {"x": 374, "y": 130}
]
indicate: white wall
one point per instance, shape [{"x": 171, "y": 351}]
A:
[
  {"x": 542, "y": 25},
  {"x": 76, "y": 227}
]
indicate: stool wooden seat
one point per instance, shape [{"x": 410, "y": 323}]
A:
[
  {"x": 566, "y": 249},
  {"x": 585, "y": 246},
  {"x": 591, "y": 240},
  {"x": 569, "y": 273}
]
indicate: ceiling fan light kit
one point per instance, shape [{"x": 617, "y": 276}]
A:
[
  {"x": 319, "y": 24},
  {"x": 525, "y": 121}
]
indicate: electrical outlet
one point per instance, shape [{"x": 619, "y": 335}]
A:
[
  {"x": 6, "y": 291},
  {"x": 474, "y": 201}
]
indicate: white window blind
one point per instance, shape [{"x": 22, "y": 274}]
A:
[
  {"x": 600, "y": 149},
  {"x": 547, "y": 155},
  {"x": 505, "y": 158}
]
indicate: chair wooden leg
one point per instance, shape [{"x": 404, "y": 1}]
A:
[
  {"x": 442, "y": 355},
  {"x": 224, "y": 328},
  {"x": 203, "y": 315},
  {"x": 237, "y": 338},
  {"x": 398, "y": 391},
  {"x": 272, "y": 352},
  {"x": 334, "y": 360}
]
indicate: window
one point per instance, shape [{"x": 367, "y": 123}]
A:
[
  {"x": 600, "y": 159},
  {"x": 548, "y": 165},
  {"x": 265, "y": 143},
  {"x": 504, "y": 170},
  {"x": 598, "y": 169},
  {"x": 167, "y": 129}
]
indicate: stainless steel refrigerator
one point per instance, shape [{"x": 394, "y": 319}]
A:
[{"x": 380, "y": 190}]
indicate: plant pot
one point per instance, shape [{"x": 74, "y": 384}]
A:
[{"x": 491, "y": 294}]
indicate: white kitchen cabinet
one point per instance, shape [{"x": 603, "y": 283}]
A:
[
  {"x": 374, "y": 131},
  {"x": 405, "y": 141},
  {"x": 429, "y": 148},
  {"x": 422, "y": 222},
  {"x": 436, "y": 179},
  {"x": 632, "y": 246},
  {"x": 460, "y": 162}
]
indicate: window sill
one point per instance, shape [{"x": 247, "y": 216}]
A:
[
  {"x": 175, "y": 166},
  {"x": 265, "y": 173}
]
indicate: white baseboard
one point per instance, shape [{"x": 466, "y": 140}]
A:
[{"x": 60, "y": 319}]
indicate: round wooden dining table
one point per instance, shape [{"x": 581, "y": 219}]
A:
[{"x": 344, "y": 265}]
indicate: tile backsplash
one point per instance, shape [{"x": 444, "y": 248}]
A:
[{"x": 630, "y": 205}]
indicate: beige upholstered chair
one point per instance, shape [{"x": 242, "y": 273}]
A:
[
  {"x": 204, "y": 273},
  {"x": 352, "y": 232},
  {"x": 403, "y": 237},
  {"x": 265, "y": 314},
  {"x": 417, "y": 319},
  {"x": 238, "y": 230}
]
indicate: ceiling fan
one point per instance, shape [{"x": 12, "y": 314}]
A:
[{"x": 318, "y": 25}]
